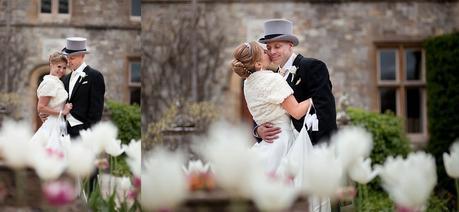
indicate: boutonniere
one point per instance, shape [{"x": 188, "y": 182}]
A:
[
  {"x": 82, "y": 75},
  {"x": 293, "y": 70}
]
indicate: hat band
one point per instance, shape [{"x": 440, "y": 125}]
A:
[
  {"x": 272, "y": 36},
  {"x": 72, "y": 51}
]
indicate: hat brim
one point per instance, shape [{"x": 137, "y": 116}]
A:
[
  {"x": 290, "y": 38},
  {"x": 74, "y": 52}
]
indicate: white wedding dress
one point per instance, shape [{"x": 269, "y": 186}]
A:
[
  {"x": 264, "y": 92},
  {"x": 50, "y": 130}
]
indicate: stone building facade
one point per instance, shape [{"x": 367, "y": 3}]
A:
[
  {"x": 373, "y": 49},
  {"x": 32, "y": 29}
]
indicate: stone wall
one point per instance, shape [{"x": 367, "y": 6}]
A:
[
  {"x": 340, "y": 33},
  {"x": 113, "y": 37}
]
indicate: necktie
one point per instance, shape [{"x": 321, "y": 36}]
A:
[{"x": 73, "y": 79}]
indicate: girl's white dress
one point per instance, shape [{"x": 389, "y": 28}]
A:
[{"x": 50, "y": 129}]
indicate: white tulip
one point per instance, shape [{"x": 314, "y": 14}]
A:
[
  {"x": 451, "y": 161},
  {"x": 99, "y": 136},
  {"x": 227, "y": 148},
  {"x": 360, "y": 171},
  {"x": 48, "y": 167},
  {"x": 352, "y": 143},
  {"x": 134, "y": 153},
  {"x": 80, "y": 160},
  {"x": 134, "y": 149},
  {"x": 14, "y": 143},
  {"x": 113, "y": 148},
  {"x": 409, "y": 182},
  {"x": 164, "y": 185},
  {"x": 135, "y": 166},
  {"x": 107, "y": 184},
  {"x": 272, "y": 195},
  {"x": 196, "y": 166},
  {"x": 323, "y": 172}
]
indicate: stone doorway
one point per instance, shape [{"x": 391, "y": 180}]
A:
[{"x": 35, "y": 80}]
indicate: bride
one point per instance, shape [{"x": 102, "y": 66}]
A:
[
  {"x": 52, "y": 99},
  {"x": 269, "y": 99}
]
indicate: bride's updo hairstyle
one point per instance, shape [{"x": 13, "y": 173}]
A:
[
  {"x": 245, "y": 57},
  {"x": 57, "y": 57}
]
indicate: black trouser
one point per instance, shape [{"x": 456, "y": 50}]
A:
[{"x": 74, "y": 132}]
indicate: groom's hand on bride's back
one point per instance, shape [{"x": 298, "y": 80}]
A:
[
  {"x": 43, "y": 116},
  {"x": 268, "y": 132}
]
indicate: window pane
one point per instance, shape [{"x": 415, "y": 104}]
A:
[
  {"x": 388, "y": 98},
  {"x": 135, "y": 7},
  {"x": 64, "y": 6},
  {"x": 45, "y": 6},
  {"x": 387, "y": 65},
  {"x": 413, "y": 64},
  {"x": 135, "y": 95},
  {"x": 135, "y": 72},
  {"x": 413, "y": 110}
]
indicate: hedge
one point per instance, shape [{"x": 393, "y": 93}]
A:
[{"x": 442, "y": 78}]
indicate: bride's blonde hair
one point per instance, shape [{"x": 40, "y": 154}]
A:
[
  {"x": 57, "y": 57},
  {"x": 245, "y": 57}
]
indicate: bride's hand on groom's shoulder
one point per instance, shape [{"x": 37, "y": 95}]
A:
[{"x": 268, "y": 132}]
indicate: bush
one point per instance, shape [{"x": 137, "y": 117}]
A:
[
  {"x": 442, "y": 64},
  {"x": 127, "y": 119},
  {"x": 388, "y": 133}
]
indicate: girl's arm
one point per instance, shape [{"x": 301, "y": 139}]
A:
[
  {"x": 295, "y": 109},
  {"x": 42, "y": 107}
]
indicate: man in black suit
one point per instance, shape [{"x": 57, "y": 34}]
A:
[
  {"x": 308, "y": 77},
  {"x": 85, "y": 86}
]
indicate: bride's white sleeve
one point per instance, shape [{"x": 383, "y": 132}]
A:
[
  {"x": 47, "y": 88},
  {"x": 278, "y": 90}
]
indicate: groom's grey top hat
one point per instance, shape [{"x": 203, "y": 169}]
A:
[
  {"x": 279, "y": 30},
  {"x": 75, "y": 45}
]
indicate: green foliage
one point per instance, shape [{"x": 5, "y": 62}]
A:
[
  {"x": 127, "y": 119},
  {"x": 380, "y": 201},
  {"x": 119, "y": 166},
  {"x": 442, "y": 62},
  {"x": 388, "y": 133},
  {"x": 97, "y": 203}
]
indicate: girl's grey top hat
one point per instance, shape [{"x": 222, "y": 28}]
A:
[
  {"x": 75, "y": 45},
  {"x": 279, "y": 30}
]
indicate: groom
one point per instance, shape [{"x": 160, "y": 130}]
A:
[
  {"x": 85, "y": 86},
  {"x": 308, "y": 78}
]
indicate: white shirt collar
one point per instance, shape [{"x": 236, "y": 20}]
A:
[
  {"x": 80, "y": 69},
  {"x": 289, "y": 62}
]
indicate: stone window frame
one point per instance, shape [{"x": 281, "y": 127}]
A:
[
  {"x": 400, "y": 84},
  {"x": 130, "y": 85},
  {"x": 55, "y": 10},
  {"x": 134, "y": 18}
]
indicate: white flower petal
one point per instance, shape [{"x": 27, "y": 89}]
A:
[
  {"x": 401, "y": 179},
  {"x": 163, "y": 183},
  {"x": 351, "y": 143},
  {"x": 80, "y": 160}
]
